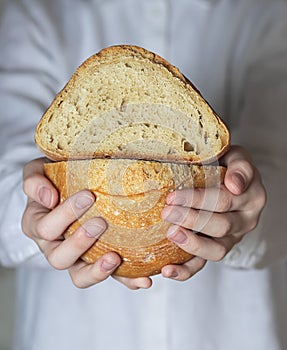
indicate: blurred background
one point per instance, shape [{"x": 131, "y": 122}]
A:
[
  {"x": 6, "y": 307},
  {"x": 6, "y": 300}
]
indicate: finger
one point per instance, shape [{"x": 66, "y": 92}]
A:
[
  {"x": 184, "y": 271},
  {"x": 209, "y": 199},
  {"x": 84, "y": 275},
  {"x": 63, "y": 254},
  {"x": 36, "y": 186},
  {"x": 212, "y": 224},
  {"x": 49, "y": 226},
  {"x": 205, "y": 247},
  {"x": 240, "y": 171},
  {"x": 135, "y": 283},
  {"x": 239, "y": 176},
  {"x": 219, "y": 200}
]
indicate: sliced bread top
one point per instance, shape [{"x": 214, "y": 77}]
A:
[{"x": 127, "y": 102}]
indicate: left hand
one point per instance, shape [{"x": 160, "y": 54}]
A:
[
  {"x": 45, "y": 221},
  {"x": 240, "y": 201}
]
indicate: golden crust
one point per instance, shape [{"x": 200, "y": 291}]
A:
[{"x": 136, "y": 230}]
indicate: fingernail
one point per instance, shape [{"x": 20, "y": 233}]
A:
[
  {"x": 176, "y": 235},
  {"x": 173, "y": 274},
  {"x": 239, "y": 181},
  {"x": 84, "y": 201},
  {"x": 94, "y": 230},
  {"x": 170, "y": 273},
  {"x": 108, "y": 265},
  {"x": 45, "y": 196}
]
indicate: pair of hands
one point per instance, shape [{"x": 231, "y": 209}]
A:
[{"x": 236, "y": 212}]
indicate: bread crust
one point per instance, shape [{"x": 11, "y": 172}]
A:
[{"x": 136, "y": 230}]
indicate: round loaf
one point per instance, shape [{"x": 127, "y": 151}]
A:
[{"x": 130, "y": 196}]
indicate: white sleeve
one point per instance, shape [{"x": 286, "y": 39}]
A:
[
  {"x": 261, "y": 125},
  {"x": 30, "y": 76}
]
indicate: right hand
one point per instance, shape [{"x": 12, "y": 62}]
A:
[{"x": 45, "y": 221}]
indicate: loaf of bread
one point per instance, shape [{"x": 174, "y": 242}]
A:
[
  {"x": 130, "y": 196},
  {"x": 131, "y": 128},
  {"x": 126, "y": 102}
]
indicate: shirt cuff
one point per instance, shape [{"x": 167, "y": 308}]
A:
[{"x": 248, "y": 253}]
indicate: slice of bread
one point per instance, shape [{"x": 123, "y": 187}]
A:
[
  {"x": 126, "y": 102},
  {"x": 130, "y": 197}
]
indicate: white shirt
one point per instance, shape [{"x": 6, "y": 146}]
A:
[{"x": 235, "y": 52}]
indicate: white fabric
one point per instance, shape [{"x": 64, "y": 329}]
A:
[{"x": 236, "y": 54}]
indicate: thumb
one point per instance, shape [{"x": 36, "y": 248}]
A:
[
  {"x": 240, "y": 171},
  {"x": 36, "y": 186}
]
